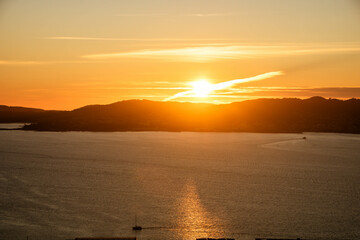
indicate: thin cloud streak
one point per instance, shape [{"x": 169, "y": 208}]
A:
[
  {"x": 141, "y": 88},
  {"x": 136, "y": 39},
  {"x": 30, "y": 63},
  {"x": 172, "y": 15},
  {"x": 211, "y": 53},
  {"x": 335, "y": 92},
  {"x": 139, "y": 15},
  {"x": 209, "y": 14},
  {"x": 227, "y": 84},
  {"x": 20, "y": 62},
  {"x": 184, "y": 54},
  {"x": 248, "y": 93}
]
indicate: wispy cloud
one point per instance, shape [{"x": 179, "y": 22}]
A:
[
  {"x": 182, "y": 54},
  {"x": 139, "y": 15},
  {"x": 136, "y": 39},
  {"x": 334, "y": 92},
  {"x": 209, "y": 14},
  {"x": 172, "y": 15},
  {"x": 30, "y": 63},
  {"x": 224, "y": 85},
  {"x": 20, "y": 62},
  {"x": 245, "y": 93},
  {"x": 211, "y": 53},
  {"x": 84, "y": 38}
]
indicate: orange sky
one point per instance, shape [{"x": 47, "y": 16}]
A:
[{"x": 63, "y": 54}]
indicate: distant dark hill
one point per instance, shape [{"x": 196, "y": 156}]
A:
[
  {"x": 263, "y": 115},
  {"x": 18, "y": 114},
  {"x": 133, "y": 115},
  {"x": 294, "y": 115}
]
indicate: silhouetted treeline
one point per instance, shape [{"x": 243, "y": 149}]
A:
[{"x": 263, "y": 115}]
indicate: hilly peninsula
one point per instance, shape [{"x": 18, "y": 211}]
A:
[{"x": 289, "y": 115}]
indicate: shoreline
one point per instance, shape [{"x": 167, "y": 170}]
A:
[{"x": 185, "y": 131}]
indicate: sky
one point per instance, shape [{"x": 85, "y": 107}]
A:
[{"x": 64, "y": 54}]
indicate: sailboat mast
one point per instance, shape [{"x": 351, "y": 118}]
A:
[{"x": 136, "y": 227}]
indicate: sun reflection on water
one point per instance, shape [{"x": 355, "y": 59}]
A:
[{"x": 194, "y": 221}]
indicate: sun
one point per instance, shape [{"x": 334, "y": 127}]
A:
[{"x": 202, "y": 88}]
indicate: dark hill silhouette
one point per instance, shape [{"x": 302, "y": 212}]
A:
[
  {"x": 262, "y": 115},
  {"x": 18, "y": 114}
]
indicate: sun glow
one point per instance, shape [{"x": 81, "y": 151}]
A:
[{"x": 202, "y": 88}]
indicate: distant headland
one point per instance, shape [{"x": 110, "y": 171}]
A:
[{"x": 286, "y": 115}]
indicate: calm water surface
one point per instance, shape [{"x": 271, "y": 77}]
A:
[{"x": 180, "y": 185}]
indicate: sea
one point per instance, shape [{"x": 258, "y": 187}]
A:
[{"x": 179, "y": 185}]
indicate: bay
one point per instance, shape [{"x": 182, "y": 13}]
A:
[{"x": 180, "y": 185}]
